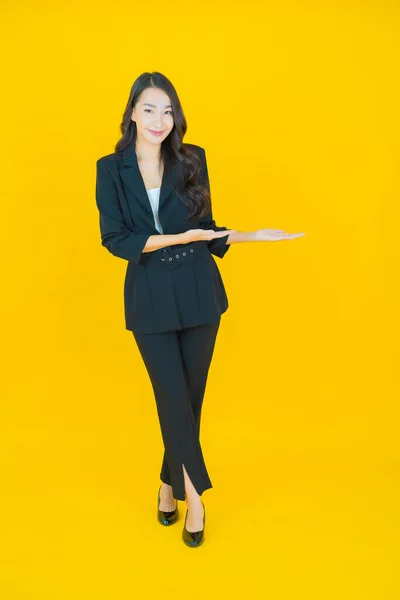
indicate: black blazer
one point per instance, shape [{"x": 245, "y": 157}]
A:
[{"x": 173, "y": 287}]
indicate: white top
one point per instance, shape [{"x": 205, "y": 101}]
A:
[{"x": 154, "y": 197}]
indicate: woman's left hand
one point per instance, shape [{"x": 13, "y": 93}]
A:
[{"x": 274, "y": 235}]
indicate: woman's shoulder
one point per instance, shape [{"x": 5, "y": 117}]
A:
[{"x": 113, "y": 157}]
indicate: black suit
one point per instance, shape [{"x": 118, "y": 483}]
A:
[
  {"x": 171, "y": 288},
  {"x": 174, "y": 298}
]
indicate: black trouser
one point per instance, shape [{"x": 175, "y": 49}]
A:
[{"x": 177, "y": 363}]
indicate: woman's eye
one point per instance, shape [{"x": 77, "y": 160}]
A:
[{"x": 149, "y": 109}]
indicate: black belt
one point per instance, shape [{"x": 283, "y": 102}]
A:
[{"x": 172, "y": 256}]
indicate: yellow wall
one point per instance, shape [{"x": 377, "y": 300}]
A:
[{"x": 297, "y": 105}]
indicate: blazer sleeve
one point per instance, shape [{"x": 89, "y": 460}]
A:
[
  {"x": 217, "y": 246},
  {"x": 115, "y": 235}
]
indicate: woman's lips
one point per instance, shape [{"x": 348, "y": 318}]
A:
[{"x": 156, "y": 132}]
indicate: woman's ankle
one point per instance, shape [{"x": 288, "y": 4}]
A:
[{"x": 194, "y": 502}]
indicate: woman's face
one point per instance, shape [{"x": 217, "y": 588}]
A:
[{"x": 153, "y": 112}]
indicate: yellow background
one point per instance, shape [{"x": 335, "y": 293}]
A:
[{"x": 297, "y": 105}]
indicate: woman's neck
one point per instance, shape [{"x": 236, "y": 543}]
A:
[{"x": 147, "y": 152}]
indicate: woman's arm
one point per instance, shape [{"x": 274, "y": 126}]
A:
[
  {"x": 234, "y": 237},
  {"x": 241, "y": 236},
  {"x": 261, "y": 235},
  {"x": 154, "y": 242}
]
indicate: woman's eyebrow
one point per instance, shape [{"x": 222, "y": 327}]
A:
[{"x": 155, "y": 106}]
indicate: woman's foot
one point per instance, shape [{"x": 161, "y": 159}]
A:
[
  {"x": 195, "y": 517},
  {"x": 193, "y": 539},
  {"x": 167, "y": 502}
]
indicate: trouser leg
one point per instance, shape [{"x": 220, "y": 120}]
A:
[
  {"x": 197, "y": 347},
  {"x": 166, "y": 357}
]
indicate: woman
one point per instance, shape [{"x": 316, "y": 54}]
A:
[{"x": 153, "y": 196}]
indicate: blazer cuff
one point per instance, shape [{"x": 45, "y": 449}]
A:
[{"x": 218, "y": 246}]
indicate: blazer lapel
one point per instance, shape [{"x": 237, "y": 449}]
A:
[{"x": 132, "y": 177}]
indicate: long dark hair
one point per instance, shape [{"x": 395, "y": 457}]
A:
[{"x": 186, "y": 162}]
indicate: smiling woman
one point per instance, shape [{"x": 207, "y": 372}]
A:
[{"x": 154, "y": 200}]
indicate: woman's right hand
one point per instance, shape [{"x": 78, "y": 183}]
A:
[{"x": 196, "y": 235}]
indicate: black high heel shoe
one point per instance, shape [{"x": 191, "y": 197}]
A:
[
  {"x": 166, "y": 518},
  {"x": 194, "y": 538}
]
